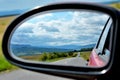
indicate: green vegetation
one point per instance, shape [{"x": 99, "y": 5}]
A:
[
  {"x": 56, "y": 55},
  {"x": 4, "y": 22},
  {"x": 116, "y": 5},
  {"x": 56, "y": 59},
  {"x": 85, "y": 55},
  {"x": 31, "y": 57},
  {"x": 4, "y": 64},
  {"x": 51, "y": 56},
  {"x": 86, "y": 49}
]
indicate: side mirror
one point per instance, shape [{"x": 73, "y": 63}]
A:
[{"x": 61, "y": 38}]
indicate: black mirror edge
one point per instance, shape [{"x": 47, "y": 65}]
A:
[{"x": 65, "y": 71}]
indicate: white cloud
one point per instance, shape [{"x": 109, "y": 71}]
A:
[{"x": 81, "y": 28}]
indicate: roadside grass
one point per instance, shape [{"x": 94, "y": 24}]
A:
[
  {"x": 85, "y": 55},
  {"x": 31, "y": 57},
  {"x": 116, "y": 5},
  {"x": 4, "y": 22},
  {"x": 53, "y": 60},
  {"x": 4, "y": 64},
  {"x": 49, "y": 57},
  {"x": 57, "y": 59}
]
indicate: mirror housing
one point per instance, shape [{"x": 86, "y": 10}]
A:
[{"x": 59, "y": 70}]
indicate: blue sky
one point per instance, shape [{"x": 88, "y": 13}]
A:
[
  {"x": 28, "y": 4},
  {"x": 61, "y": 28}
]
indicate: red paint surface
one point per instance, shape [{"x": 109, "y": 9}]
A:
[{"x": 95, "y": 60}]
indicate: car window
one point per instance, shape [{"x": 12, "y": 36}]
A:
[
  {"x": 104, "y": 36},
  {"x": 104, "y": 43}
]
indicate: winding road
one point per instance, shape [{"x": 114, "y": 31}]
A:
[{"x": 75, "y": 61}]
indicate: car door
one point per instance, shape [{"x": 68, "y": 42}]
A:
[{"x": 100, "y": 54}]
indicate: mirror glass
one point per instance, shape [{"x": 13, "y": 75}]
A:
[{"x": 63, "y": 37}]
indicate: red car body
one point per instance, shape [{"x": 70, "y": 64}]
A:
[
  {"x": 100, "y": 54},
  {"x": 95, "y": 60}
]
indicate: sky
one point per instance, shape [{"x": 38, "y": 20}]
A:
[
  {"x": 6, "y": 5},
  {"x": 61, "y": 28}
]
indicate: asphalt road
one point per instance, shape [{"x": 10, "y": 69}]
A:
[
  {"x": 75, "y": 61},
  {"x": 29, "y": 75}
]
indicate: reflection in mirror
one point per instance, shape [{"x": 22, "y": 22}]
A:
[{"x": 61, "y": 38}]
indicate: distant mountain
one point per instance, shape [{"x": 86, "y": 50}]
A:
[
  {"x": 19, "y": 50},
  {"x": 12, "y": 12},
  {"x": 88, "y": 46},
  {"x": 32, "y": 50},
  {"x": 75, "y": 47}
]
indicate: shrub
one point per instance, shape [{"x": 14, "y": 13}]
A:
[{"x": 43, "y": 57}]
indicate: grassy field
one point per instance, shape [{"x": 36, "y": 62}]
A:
[
  {"x": 4, "y": 22},
  {"x": 116, "y": 5},
  {"x": 85, "y": 55},
  {"x": 4, "y": 65},
  {"x": 37, "y": 57},
  {"x": 49, "y": 57},
  {"x": 52, "y": 57}
]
